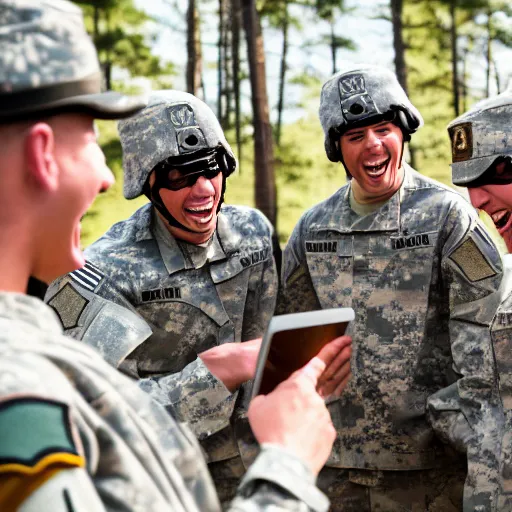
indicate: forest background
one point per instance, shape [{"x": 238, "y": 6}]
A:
[{"x": 260, "y": 65}]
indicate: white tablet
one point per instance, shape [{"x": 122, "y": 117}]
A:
[{"x": 290, "y": 341}]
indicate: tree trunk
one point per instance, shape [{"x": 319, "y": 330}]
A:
[
  {"x": 265, "y": 189},
  {"x": 488, "y": 56},
  {"x": 282, "y": 74},
  {"x": 220, "y": 66},
  {"x": 228, "y": 97},
  {"x": 333, "y": 45},
  {"x": 235, "y": 60},
  {"x": 455, "y": 78},
  {"x": 497, "y": 76},
  {"x": 194, "y": 56},
  {"x": 398, "y": 43}
]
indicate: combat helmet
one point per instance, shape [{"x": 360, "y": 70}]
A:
[
  {"x": 362, "y": 96},
  {"x": 480, "y": 136},
  {"x": 174, "y": 124}
]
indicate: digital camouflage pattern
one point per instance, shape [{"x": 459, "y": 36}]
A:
[
  {"x": 138, "y": 457},
  {"x": 72, "y": 58},
  {"x": 422, "y": 276},
  {"x": 501, "y": 332},
  {"x": 479, "y": 136},
  {"x": 49, "y": 62},
  {"x": 192, "y": 298},
  {"x": 352, "y": 97},
  {"x": 173, "y": 124}
]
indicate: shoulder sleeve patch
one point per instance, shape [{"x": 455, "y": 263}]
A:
[
  {"x": 89, "y": 276},
  {"x": 469, "y": 258},
  {"x": 69, "y": 305},
  {"x": 35, "y": 434}
]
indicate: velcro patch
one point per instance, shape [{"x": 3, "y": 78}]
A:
[
  {"x": 161, "y": 294},
  {"x": 411, "y": 242},
  {"x": 69, "y": 305},
  {"x": 323, "y": 246},
  {"x": 35, "y": 434},
  {"x": 471, "y": 261},
  {"x": 462, "y": 142},
  {"x": 89, "y": 276},
  {"x": 504, "y": 318},
  {"x": 254, "y": 257}
]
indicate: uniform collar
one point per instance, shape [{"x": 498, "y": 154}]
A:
[
  {"x": 19, "y": 307},
  {"x": 386, "y": 218},
  {"x": 171, "y": 252}
]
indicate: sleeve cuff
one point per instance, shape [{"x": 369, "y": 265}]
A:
[{"x": 278, "y": 466}]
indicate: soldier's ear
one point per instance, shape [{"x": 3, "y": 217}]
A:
[{"x": 42, "y": 167}]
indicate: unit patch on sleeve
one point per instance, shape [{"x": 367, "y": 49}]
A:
[
  {"x": 69, "y": 306},
  {"x": 89, "y": 276},
  {"x": 35, "y": 434},
  {"x": 471, "y": 261}
]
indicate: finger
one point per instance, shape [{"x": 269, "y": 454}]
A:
[
  {"x": 325, "y": 388},
  {"x": 340, "y": 360},
  {"x": 342, "y": 386},
  {"x": 333, "y": 348},
  {"x": 311, "y": 371}
]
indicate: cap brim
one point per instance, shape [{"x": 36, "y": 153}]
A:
[
  {"x": 105, "y": 105},
  {"x": 470, "y": 170}
]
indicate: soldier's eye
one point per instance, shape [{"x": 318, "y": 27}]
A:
[{"x": 174, "y": 174}]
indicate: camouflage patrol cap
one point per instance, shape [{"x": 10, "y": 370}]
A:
[
  {"x": 356, "y": 97},
  {"x": 48, "y": 64},
  {"x": 480, "y": 136},
  {"x": 174, "y": 123}
]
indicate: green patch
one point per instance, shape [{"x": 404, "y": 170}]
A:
[{"x": 32, "y": 428}]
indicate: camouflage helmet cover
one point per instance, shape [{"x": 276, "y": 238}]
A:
[
  {"x": 174, "y": 123},
  {"x": 49, "y": 64},
  {"x": 353, "y": 97},
  {"x": 479, "y": 136}
]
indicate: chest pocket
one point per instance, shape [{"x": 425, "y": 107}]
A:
[
  {"x": 187, "y": 317},
  {"x": 385, "y": 278},
  {"x": 330, "y": 264}
]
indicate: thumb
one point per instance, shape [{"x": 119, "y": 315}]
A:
[{"x": 312, "y": 370}]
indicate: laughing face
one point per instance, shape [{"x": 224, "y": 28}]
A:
[
  {"x": 195, "y": 207},
  {"x": 82, "y": 174},
  {"x": 373, "y": 156},
  {"x": 496, "y": 201}
]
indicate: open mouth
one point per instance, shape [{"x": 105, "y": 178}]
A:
[
  {"x": 377, "y": 169},
  {"x": 501, "y": 220},
  {"x": 202, "y": 213}
]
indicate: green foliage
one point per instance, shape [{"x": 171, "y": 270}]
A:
[{"x": 119, "y": 32}]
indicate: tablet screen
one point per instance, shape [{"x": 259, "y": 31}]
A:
[{"x": 285, "y": 350}]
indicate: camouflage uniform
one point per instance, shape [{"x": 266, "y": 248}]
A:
[
  {"x": 139, "y": 458},
  {"x": 480, "y": 138},
  {"x": 422, "y": 276},
  {"x": 191, "y": 298}
]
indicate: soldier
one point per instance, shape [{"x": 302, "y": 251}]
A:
[
  {"x": 482, "y": 162},
  {"x": 412, "y": 259},
  {"x": 199, "y": 274},
  {"x": 75, "y": 434},
  {"x": 482, "y": 159}
]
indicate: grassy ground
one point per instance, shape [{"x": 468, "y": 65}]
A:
[{"x": 304, "y": 177}]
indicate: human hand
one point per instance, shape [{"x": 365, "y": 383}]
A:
[
  {"x": 336, "y": 375},
  {"x": 232, "y": 363},
  {"x": 294, "y": 415}
]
